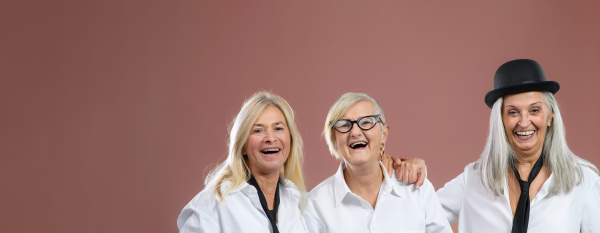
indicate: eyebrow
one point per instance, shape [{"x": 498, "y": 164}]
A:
[
  {"x": 358, "y": 117},
  {"x": 536, "y": 103},
  {"x": 539, "y": 102},
  {"x": 276, "y": 123}
]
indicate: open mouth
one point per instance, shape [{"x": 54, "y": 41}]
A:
[
  {"x": 525, "y": 134},
  {"x": 270, "y": 151},
  {"x": 358, "y": 145}
]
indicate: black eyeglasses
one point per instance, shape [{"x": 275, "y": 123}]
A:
[{"x": 364, "y": 123}]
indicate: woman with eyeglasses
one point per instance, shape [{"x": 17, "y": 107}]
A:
[{"x": 360, "y": 197}]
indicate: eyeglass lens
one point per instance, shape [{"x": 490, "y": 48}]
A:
[{"x": 364, "y": 123}]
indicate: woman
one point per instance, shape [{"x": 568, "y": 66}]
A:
[
  {"x": 527, "y": 179},
  {"x": 359, "y": 197},
  {"x": 259, "y": 188}
]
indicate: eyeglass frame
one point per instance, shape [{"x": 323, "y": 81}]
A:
[{"x": 377, "y": 119}]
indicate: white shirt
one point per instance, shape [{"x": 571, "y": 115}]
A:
[
  {"x": 399, "y": 208},
  {"x": 476, "y": 209},
  {"x": 241, "y": 211}
]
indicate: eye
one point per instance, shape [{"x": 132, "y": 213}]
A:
[
  {"x": 257, "y": 131},
  {"x": 535, "y": 110},
  {"x": 279, "y": 128},
  {"x": 342, "y": 124},
  {"x": 366, "y": 121},
  {"x": 512, "y": 112}
]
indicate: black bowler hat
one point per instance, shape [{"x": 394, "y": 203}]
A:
[{"x": 518, "y": 76}]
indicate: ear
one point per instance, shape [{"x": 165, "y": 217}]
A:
[
  {"x": 550, "y": 119},
  {"x": 386, "y": 130}
]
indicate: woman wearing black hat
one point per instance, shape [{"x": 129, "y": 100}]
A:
[{"x": 527, "y": 178}]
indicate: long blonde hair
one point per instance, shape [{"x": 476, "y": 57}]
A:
[{"x": 235, "y": 167}]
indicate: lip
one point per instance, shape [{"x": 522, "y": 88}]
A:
[
  {"x": 362, "y": 148},
  {"x": 522, "y": 138},
  {"x": 270, "y": 155}
]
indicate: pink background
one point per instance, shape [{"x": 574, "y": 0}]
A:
[{"x": 112, "y": 112}]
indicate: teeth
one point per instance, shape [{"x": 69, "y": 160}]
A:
[
  {"x": 526, "y": 133},
  {"x": 270, "y": 150},
  {"x": 357, "y": 143}
]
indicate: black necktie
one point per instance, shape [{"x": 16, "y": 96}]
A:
[
  {"x": 271, "y": 214},
  {"x": 521, "y": 219}
]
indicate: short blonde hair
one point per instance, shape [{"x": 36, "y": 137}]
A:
[
  {"x": 235, "y": 167},
  {"x": 339, "y": 108}
]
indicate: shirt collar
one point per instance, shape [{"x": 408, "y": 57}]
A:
[
  {"x": 539, "y": 196},
  {"x": 285, "y": 186},
  {"x": 340, "y": 188},
  {"x": 389, "y": 185},
  {"x": 544, "y": 190}
]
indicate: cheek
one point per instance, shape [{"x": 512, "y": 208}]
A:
[
  {"x": 374, "y": 136},
  {"x": 339, "y": 140},
  {"x": 286, "y": 138},
  {"x": 252, "y": 144},
  {"x": 339, "y": 144},
  {"x": 508, "y": 124}
]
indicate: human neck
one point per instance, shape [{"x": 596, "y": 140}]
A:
[
  {"x": 524, "y": 162},
  {"x": 268, "y": 185},
  {"x": 364, "y": 181}
]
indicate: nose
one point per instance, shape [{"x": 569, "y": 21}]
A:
[
  {"x": 269, "y": 136},
  {"x": 355, "y": 131},
  {"x": 524, "y": 122}
]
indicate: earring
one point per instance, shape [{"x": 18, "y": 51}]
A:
[{"x": 382, "y": 150}]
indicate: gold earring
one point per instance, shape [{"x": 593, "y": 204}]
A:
[{"x": 382, "y": 150}]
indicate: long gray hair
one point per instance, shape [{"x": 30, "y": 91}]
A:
[{"x": 498, "y": 153}]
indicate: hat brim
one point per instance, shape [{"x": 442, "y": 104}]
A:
[{"x": 493, "y": 95}]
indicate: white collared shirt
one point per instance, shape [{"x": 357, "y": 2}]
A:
[
  {"x": 399, "y": 208},
  {"x": 241, "y": 211},
  {"x": 476, "y": 209}
]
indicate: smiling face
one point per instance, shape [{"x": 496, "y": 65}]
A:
[
  {"x": 358, "y": 146},
  {"x": 526, "y": 118},
  {"x": 268, "y": 145}
]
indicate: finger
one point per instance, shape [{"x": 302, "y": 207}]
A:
[
  {"x": 412, "y": 175},
  {"x": 422, "y": 174},
  {"x": 390, "y": 167},
  {"x": 421, "y": 180},
  {"x": 397, "y": 161},
  {"x": 399, "y": 171},
  {"x": 405, "y": 172}
]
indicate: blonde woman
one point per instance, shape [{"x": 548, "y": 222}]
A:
[{"x": 259, "y": 187}]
